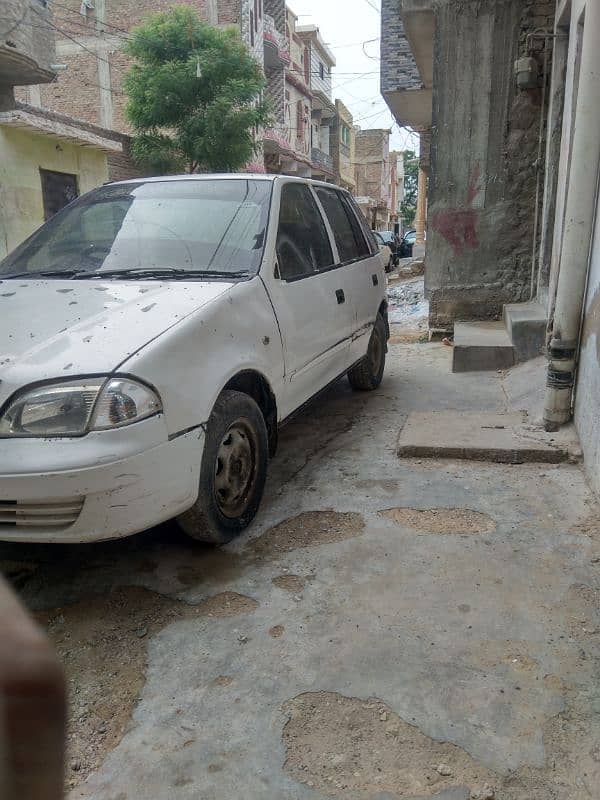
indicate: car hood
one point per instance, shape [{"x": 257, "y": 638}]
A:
[{"x": 58, "y": 329}]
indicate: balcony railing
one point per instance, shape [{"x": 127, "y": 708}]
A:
[
  {"x": 322, "y": 160},
  {"x": 277, "y": 48}
]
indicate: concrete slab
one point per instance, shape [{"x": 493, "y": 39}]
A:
[
  {"x": 482, "y": 346},
  {"x": 526, "y": 326},
  {"x": 485, "y": 641},
  {"x": 501, "y": 438}
]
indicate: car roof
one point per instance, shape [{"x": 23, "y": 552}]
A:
[{"x": 258, "y": 176}]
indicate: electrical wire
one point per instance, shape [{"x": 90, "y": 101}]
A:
[
  {"x": 17, "y": 24},
  {"x": 77, "y": 14},
  {"x": 77, "y": 42}
]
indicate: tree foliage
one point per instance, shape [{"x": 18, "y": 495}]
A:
[
  {"x": 411, "y": 183},
  {"x": 194, "y": 95}
]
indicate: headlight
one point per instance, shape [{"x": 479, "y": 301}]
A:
[{"x": 74, "y": 408}]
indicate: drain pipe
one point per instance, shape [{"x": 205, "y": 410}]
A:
[{"x": 578, "y": 226}]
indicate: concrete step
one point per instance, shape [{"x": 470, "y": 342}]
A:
[
  {"x": 481, "y": 346},
  {"x": 526, "y": 326},
  {"x": 508, "y": 438}
]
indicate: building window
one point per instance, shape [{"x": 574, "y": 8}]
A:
[
  {"x": 345, "y": 135},
  {"x": 300, "y": 119},
  {"x": 255, "y": 15},
  {"x": 252, "y": 28},
  {"x": 321, "y": 71},
  {"x": 58, "y": 190},
  {"x": 260, "y": 9}
]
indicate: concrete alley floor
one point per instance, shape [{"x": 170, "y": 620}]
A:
[{"x": 348, "y": 646}]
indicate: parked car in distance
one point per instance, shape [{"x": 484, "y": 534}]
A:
[
  {"x": 387, "y": 256},
  {"x": 393, "y": 242},
  {"x": 407, "y": 243},
  {"x": 158, "y": 332}
]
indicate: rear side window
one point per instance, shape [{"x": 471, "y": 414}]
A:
[
  {"x": 303, "y": 246},
  {"x": 346, "y": 228}
]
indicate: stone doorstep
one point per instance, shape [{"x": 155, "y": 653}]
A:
[
  {"x": 500, "y": 438},
  {"x": 482, "y": 346}
]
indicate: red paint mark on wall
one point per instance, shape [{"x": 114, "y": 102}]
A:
[{"x": 458, "y": 225}]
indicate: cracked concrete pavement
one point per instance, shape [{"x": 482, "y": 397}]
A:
[{"x": 348, "y": 646}]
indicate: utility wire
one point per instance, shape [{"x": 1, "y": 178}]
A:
[
  {"x": 17, "y": 24},
  {"x": 77, "y": 14}
]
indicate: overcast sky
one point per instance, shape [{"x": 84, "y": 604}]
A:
[{"x": 352, "y": 29}]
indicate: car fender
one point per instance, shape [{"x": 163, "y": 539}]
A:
[{"x": 191, "y": 363}]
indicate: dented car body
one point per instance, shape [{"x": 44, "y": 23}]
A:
[{"x": 157, "y": 333}]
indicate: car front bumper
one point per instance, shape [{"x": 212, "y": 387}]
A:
[{"x": 106, "y": 485}]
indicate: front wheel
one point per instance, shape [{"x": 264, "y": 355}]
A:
[
  {"x": 368, "y": 373},
  {"x": 233, "y": 471}
]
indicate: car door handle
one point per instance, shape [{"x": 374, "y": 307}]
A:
[
  {"x": 341, "y": 297},
  {"x": 375, "y": 280}
]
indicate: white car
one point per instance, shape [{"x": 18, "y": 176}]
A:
[
  {"x": 387, "y": 257},
  {"x": 156, "y": 333}
]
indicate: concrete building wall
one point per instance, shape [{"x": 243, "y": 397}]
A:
[
  {"x": 398, "y": 67},
  {"x": 318, "y": 61},
  {"x": 91, "y": 88},
  {"x": 483, "y": 160},
  {"x": 372, "y": 175},
  {"x": 343, "y": 146},
  {"x": 587, "y": 407},
  {"x": 297, "y": 131},
  {"x": 22, "y": 155},
  {"x": 587, "y": 399},
  {"x": 25, "y": 34}
]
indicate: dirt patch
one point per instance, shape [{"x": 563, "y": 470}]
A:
[
  {"x": 101, "y": 641},
  {"x": 590, "y": 526},
  {"x": 514, "y": 654},
  {"x": 347, "y": 747},
  {"x": 310, "y": 529},
  {"x": 227, "y": 604},
  {"x": 441, "y": 520},
  {"x": 409, "y": 337},
  {"x": 277, "y": 631},
  {"x": 293, "y": 584},
  {"x": 582, "y": 607},
  {"x": 222, "y": 680}
]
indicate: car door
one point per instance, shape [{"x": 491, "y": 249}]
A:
[
  {"x": 360, "y": 263},
  {"x": 309, "y": 297}
]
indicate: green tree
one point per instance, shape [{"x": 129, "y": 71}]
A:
[
  {"x": 411, "y": 184},
  {"x": 194, "y": 95}
]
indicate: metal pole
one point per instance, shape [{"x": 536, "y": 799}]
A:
[{"x": 579, "y": 218}]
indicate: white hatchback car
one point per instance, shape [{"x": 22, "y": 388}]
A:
[{"x": 156, "y": 333}]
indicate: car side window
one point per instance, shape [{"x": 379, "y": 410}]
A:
[
  {"x": 303, "y": 246},
  {"x": 363, "y": 224},
  {"x": 363, "y": 245},
  {"x": 349, "y": 237},
  {"x": 340, "y": 224}
]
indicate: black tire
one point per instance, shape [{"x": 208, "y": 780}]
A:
[
  {"x": 233, "y": 471},
  {"x": 368, "y": 373}
]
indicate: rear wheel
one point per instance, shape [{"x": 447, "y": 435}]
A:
[
  {"x": 233, "y": 471},
  {"x": 368, "y": 373}
]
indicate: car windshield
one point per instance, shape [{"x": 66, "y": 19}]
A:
[{"x": 178, "y": 227}]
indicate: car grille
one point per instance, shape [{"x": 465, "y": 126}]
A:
[{"x": 43, "y": 514}]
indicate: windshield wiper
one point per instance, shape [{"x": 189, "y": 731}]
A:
[
  {"x": 44, "y": 273},
  {"x": 170, "y": 273}
]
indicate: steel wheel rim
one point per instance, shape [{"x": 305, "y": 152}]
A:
[
  {"x": 375, "y": 352},
  {"x": 236, "y": 469}
]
